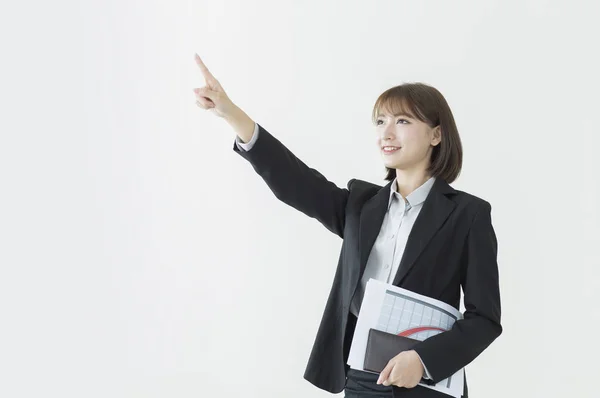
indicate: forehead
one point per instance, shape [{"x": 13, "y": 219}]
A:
[{"x": 394, "y": 108}]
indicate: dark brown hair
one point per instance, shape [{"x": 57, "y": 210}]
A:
[{"x": 428, "y": 105}]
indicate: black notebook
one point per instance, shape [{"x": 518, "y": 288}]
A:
[{"x": 383, "y": 346}]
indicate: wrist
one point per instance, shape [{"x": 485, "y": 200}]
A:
[
  {"x": 418, "y": 359},
  {"x": 241, "y": 123},
  {"x": 234, "y": 115}
]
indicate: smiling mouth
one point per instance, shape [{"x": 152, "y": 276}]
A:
[{"x": 391, "y": 150}]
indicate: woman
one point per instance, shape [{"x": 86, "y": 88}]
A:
[{"x": 416, "y": 232}]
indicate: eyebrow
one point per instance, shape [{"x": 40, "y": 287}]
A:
[{"x": 397, "y": 114}]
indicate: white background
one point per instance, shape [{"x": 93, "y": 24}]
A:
[{"x": 141, "y": 257}]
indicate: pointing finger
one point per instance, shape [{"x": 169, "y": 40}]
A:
[{"x": 207, "y": 75}]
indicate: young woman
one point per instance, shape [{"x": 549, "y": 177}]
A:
[{"x": 416, "y": 232}]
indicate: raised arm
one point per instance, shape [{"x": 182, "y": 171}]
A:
[
  {"x": 290, "y": 180},
  {"x": 296, "y": 184}
]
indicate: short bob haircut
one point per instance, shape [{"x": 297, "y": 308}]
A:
[{"x": 425, "y": 103}]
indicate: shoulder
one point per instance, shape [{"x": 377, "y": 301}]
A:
[
  {"x": 363, "y": 190},
  {"x": 360, "y": 192},
  {"x": 470, "y": 206},
  {"x": 469, "y": 203},
  {"x": 471, "y": 200},
  {"x": 362, "y": 185}
]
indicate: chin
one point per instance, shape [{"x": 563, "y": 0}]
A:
[{"x": 394, "y": 166}]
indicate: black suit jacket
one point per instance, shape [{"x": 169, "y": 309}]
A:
[{"x": 451, "y": 245}]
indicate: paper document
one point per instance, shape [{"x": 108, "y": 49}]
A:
[{"x": 396, "y": 310}]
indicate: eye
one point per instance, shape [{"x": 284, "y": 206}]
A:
[{"x": 379, "y": 120}]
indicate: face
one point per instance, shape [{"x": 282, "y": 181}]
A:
[{"x": 414, "y": 139}]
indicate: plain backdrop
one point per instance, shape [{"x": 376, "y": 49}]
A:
[{"x": 141, "y": 257}]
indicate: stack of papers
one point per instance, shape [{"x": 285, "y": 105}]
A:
[{"x": 395, "y": 310}]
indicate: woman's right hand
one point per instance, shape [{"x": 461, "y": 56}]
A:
[{"x": 212, "y": 96}]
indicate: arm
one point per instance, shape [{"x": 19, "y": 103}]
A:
[
  {"x": 246, "y": 146},
  {"x": 426, "y": 374},
  {"x": 452, "y": 350},
  {"x": 288, "y": 177},
  {"x": 293, "y": 182}
]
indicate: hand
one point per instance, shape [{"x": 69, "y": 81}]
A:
[
  {"x": 212, "y": 96},
  {"x": 404, "y": 370}
]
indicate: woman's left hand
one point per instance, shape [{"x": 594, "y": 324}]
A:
[{"x": 404, "y": 370}]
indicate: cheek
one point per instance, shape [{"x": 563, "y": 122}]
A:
[{"x": 415, "y": 141}]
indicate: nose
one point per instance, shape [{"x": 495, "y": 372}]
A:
[{"x": 388, "y": 132}]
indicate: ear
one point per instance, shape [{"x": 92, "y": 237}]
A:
[{"x": 436, "y": 135}]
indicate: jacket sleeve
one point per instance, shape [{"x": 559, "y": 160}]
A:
[
  {"x": 296, "y": 184},
  {"x": 246, "y": 146},
  {"x": 447, "y": 352}
]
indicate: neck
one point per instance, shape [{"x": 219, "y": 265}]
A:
[{"x": 408, "y": 181}]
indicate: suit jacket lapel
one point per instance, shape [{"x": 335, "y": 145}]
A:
[
  {"x": 436, "y": 209},
  {"x": 371, "y": 219}
]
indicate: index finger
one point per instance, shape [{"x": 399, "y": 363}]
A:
[{"x": 203, "y": 68}]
